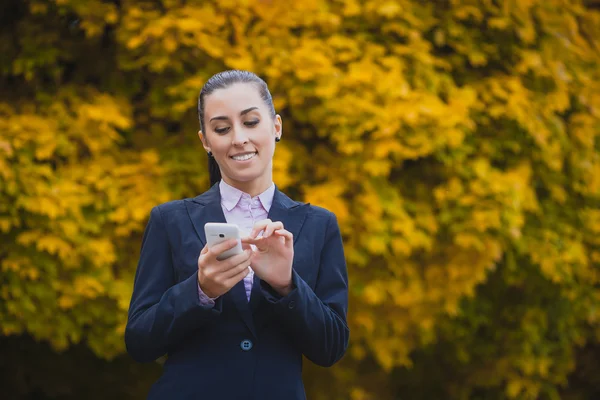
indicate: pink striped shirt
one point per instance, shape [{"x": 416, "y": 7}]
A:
[{"x": 244, "y": 211}]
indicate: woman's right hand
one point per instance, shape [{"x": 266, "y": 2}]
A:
[{"x": 216, "y": 277}]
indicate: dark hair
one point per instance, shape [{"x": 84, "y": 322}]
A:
[{"x": 223, "y": 80}]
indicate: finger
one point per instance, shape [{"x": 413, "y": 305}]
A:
[
  {"x": 219, "y": 248},
  {"x": 288, "y": 236},
  {"x": 271, "y": 228},
  {"x": 247, "y": 241},
  {"x": 236, "y": 278},
  {"x": 233, "y": 261},
  {"x": 202, "y": 257},
  {"x": 260, "y": 243},
  {"x": 236, "y": 270},
  {"x": 259, "y": 226}
]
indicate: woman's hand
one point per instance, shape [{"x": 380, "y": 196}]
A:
[
  {"x": 272, "y": 260},
  {"x": 216, "y": 277}
]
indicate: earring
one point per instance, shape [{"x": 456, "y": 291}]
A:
[
  {"x": 277, "y": 138},
  {"x": 210, "y": 153}
]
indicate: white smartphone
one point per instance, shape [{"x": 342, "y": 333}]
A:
[{"x": 217, "y": 232}]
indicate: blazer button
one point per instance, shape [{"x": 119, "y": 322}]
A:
[
  {"x": 291, "y": 304},
  {"x": 246, "y": 345}
]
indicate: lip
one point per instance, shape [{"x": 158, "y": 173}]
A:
[{"x": 243, "y": 154}]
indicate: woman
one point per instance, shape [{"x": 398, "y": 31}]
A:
[{"x": 230, "y": 331}]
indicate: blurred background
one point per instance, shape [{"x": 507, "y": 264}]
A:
[{"x": 458, "y": 142}]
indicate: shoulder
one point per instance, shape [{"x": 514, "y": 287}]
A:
[
  {"x": 173, "y": 210},
  {"x": 169, "y": 207},
  {"x": 321, "y": 219},
  {"x": 181, "y": 206},
  {"x": 320, "y": 213},
  {"x": 166, "y": 213},
  {"x": 313, "y": 213}
]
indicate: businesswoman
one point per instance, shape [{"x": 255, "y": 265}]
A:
[{"x": 238, "y": 328}]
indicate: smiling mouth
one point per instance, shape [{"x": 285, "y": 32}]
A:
[{"x": 244, "y": 157}]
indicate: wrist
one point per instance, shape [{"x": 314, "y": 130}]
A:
[
  {"x": 206, "y": 293},
  {"x": 284, "y": 290},
  {"x": 211, "y": 296}
]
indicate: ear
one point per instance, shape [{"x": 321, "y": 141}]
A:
[
  {"x": 278, "y": 126},
  {"x": 204, "y": 141}
]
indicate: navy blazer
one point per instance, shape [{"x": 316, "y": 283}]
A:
[{"x": 236, "y": 349}]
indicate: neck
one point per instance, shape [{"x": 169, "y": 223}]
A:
[{"x": 253, "y": 187}]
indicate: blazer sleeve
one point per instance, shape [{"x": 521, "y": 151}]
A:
[
  {"x": 317, "y": 319},
  {"x": 162, "y": 312}
]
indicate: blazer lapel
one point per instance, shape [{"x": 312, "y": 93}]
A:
[
  {"x": 207, "y": 208},
  {"x": 255, "y": 294},
  {"x": 240, "y": 299},
  {"x": 288, "y": 211}
]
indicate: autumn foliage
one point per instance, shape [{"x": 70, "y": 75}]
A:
[{"x": 457, "y": 141}]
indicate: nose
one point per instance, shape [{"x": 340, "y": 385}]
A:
[{"x": 240, "y": 138}]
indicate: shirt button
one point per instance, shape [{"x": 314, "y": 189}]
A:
[
  {"x": 291, "y": 304},
  {"x": 246, "y": 345}
]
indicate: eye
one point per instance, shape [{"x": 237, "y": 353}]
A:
[
  {"x": 221, "y": 131},
  {"x": 251, "y": 123}
]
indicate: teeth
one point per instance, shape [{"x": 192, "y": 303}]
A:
[{"x": 244, "y": 157}]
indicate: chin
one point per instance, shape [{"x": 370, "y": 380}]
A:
[{"x": 249, "y": 177}]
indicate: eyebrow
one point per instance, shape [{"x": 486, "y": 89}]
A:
[{"x": 244, "y": 112}]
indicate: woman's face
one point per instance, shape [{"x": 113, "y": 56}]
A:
[{"x": 240, "y": 133}]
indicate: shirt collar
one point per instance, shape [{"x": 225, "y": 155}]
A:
[
  {"x": 230, "y": 196},
  {"x": 266, "y": 197}
]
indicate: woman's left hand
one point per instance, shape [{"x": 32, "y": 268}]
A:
[{"x": 272, "y": 260}]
